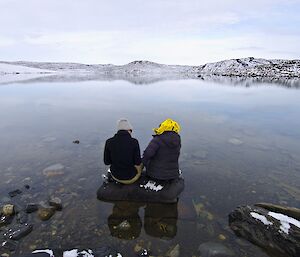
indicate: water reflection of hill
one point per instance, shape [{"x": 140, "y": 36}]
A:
[{"x": 146, "y": 79}]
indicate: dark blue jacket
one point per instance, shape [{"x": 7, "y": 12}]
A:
[
  {"x": 161, "y": 156},
  {"x": 122, "y": 152}
]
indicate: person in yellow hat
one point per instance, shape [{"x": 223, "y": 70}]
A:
[{"x": 161, "y": 155}]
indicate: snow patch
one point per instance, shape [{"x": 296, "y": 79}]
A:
[
  {"x": 50, "y": 252},
  {"x": 285, "y": 221},
  {"x": 261, "y": 218},
  {"x": 18, "y": 69},
  {"x": 152, "y": 186}
]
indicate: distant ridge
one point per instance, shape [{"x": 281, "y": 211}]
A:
[{"x": 244, "y": 67}]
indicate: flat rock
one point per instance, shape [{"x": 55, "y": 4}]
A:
[{"x": 212, "y": 249}]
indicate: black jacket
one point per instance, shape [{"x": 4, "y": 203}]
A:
[
  {"x": 161, "y": 156},
  {"x": 122, "y": 152}
]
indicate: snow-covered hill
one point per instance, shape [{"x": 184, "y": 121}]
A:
[
  {"x": 252, "y": 67},
  {"x": 7, "y": 68},
  {"x": 245, "y": 67}
]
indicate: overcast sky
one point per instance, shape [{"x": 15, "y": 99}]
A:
[{"x": 165, "y": 31}]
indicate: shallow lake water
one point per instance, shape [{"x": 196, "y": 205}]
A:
[{"x": 240, "y": 145}]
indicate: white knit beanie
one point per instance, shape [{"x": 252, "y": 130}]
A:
[{"x": 124, "y": 124}]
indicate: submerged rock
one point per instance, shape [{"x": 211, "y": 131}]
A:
[
  {"x": 273, "y": 231},
  {"x": 15, "y": 193},
  {"x": 174, "y": 252},
  {"x": 8, "y": 210},
  {"x": 235, "y": 141},
  {"x": 18, "y": 231},
  {"x": 31, "y": 207},
  {"x": 45, "y": 213},
  {"x": 22, "y": 217},
  {"x": 56, "y": 202},
  {"x": 212, "y": 249},
  {"x": 54, "y": 170}
]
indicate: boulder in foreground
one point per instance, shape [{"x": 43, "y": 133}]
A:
[{"x": 274, "y": 228}]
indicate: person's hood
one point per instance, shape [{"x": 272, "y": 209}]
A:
[{"x": 171, "y": 139}]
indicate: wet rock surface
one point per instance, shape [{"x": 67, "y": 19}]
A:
[
  {"x": 275, "y": 231},
  {"x": 18, "y": 231},
  {"x": 212, "y": 249}
]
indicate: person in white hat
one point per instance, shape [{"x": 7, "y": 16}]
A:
[{"x": 122, "y": 153}]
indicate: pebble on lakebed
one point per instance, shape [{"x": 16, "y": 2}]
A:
[
  {"x": 8, "y": 210},
  {"x": 45, "y": 213}
]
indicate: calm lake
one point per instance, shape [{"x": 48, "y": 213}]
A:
[{"x": 240, "y": 145}]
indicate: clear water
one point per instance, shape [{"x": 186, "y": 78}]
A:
[{"x": 240, "y": 145}]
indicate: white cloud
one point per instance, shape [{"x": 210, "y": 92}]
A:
[{"x": 117, "y": 31}]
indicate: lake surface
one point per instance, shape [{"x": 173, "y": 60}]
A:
[{"x": 240, "y": 145}]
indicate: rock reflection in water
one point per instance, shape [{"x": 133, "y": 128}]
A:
[{"x": 160, "y": 220}]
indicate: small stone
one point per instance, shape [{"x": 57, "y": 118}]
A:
[
  {"x": 27, "y": 187},
  {"x": 4, "y": 255},
  {"x": 56, "y": 202},
  {"x": 8, "y": 210},
  {"x": 31, "y": 207},
  {"x": 125, "y": 225},
  {"x": 76, "y": 142},
  {"x": 222, "y": 237},
  {"x": 45, "y": 213},
  {"x": 15, "y": 193}
]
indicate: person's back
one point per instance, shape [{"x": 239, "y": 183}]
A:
[
  {"x": 162, "y": 154},
  {"x": 122, "y": 153}
]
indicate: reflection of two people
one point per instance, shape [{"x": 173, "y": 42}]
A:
[{"x": 160, "y": 220}]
